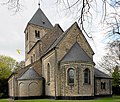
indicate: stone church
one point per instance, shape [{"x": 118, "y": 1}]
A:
[{"x": 58, "y": 64}]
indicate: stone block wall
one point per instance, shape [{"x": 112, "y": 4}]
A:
[
  {"x": 73, "y": 35},
  {"x": 30, "y": 88},
  {"x": 13, "y": 86},
  {"x": 30, "y": 31},
  {"x": 49, "y": 86},
  {"x": 35, "y": 54},
  {"x": 99, "y": 90},
  {"x": 79, "y": 88}
]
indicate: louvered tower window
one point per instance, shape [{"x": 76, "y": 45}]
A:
[{"x": 37, "y": 34}]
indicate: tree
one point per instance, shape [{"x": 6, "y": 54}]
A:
[
  {"x": 8, "y": 61},
  {"x": 112, "y": 58},
  {"x": 4, "y": 71},
  {"x": 6, "y": 65},
  {"x": 116, "y": 77},
  {"x": 116, "y": 81}
]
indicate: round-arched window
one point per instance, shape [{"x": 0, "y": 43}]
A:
[
  {"x": 87, "y": 76},
  {"x": 48, "y": 73},
  {"x": 71, "y": 76}
]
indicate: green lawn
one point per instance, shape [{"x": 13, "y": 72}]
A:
[{"x": 113, "y": 99}]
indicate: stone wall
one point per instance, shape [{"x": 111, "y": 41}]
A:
[
  {"x": 101, "y": 91},
  {"x": 38, "y": 67},
  {"x": 13, "y": 86},
  {"x": 79, "y": 88},
  {"x": 34, "y": 54},
  {"x": 10, "y": 83},
  {"x": 49, "y": 86},
  {"x": 73, "y": 35},
  {"x": 30, "y": 30},
  {"x": 30, "y": 88}
]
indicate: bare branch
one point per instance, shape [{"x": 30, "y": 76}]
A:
[{"x": 14, "y": 5}]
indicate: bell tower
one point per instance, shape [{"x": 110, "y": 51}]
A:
[{"x": 36, "y": 28}]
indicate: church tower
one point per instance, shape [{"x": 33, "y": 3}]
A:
[{"x": 36, "y": 28}]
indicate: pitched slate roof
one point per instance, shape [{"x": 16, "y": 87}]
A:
[
  {"x": 100, "y": 74},
  {"x": 59, "y": 39},
  {"x": 76, "y": 53},
  {"x": 56, "y": 42},
  {"x": 51, "y": 37},
  {"x": 40, "y": 19},
  {"x": 30, "y": 73}
]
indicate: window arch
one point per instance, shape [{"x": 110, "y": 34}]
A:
[
  {"x": 48, "y": 72},
  {"x": 71, "y": 75},
  {"x": 87, "y": 76}
]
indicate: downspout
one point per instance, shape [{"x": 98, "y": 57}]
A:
[
  {"x": 95, "y": 86},
  {"x": 55, "y": 70}
]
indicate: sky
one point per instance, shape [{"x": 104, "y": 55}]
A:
[{"x": 12, "y": 27}]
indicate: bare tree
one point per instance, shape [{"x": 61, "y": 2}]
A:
[
  {"x": 112, "y": 58},
  {"x": 84, "y": 10},
  {"x": 15, "y": 5}
]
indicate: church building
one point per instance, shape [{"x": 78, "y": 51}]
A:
[{"x": 58, "y": 64}]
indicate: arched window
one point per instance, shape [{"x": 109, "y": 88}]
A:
[
  {"x": 87, "y": 76},
  {"x": 31, "y": 59},
  {"x": 48, "y": 73},
  {"x": 71, "y": 76}
]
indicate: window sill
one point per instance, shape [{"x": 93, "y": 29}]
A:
[
  {"x": 71, "y": 84},
  {"x": 48, "y": 83},
  {"x": 86, "y": 84}
]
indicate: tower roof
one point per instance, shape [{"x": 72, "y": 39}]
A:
[
  {"x": 40, "y": 19},
  {"x": 76, "y": 53}
]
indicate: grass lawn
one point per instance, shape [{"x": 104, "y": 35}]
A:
[{"x": 113, "y": 99}]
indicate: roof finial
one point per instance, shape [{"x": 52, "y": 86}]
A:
[{"x": 39, "y": 4}]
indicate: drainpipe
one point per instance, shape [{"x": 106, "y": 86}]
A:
[
  {"x": 14, "y": 85},
  {"x": 55, "y": 73}
]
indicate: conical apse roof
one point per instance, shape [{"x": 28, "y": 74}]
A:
[
  {"x": 76, "y": 53},
  {"x": 30, "y": 74}
]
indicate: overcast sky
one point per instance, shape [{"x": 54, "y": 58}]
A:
[{"x": 12, "y": 27}]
